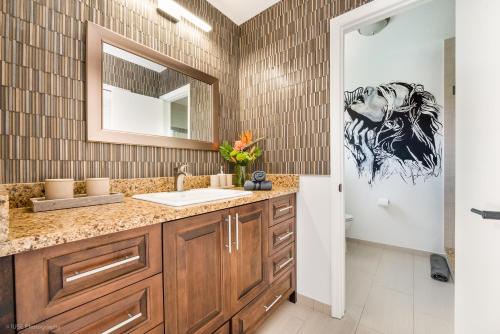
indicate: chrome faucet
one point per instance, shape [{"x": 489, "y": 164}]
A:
[{"x": 180, "y": 174}]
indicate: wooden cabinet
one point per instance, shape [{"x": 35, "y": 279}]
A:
[
  {"x": 225, "y": 329},
  {"x": 7, "y": 304},
  {"x": 214, "y": 265},
  {"x": 281, "y": 209},
  {"x": 281, "y": 261},
  {"x": 280, "y": 235},
  {"x": 252, "y": 316},
  {"x": 249, "y": 254},
  {"x": 70, "y": 275},
  {"x": 196, "y": 273},
  {"x": 218, "y": 272},
  {"x": 135, "y": 309}
]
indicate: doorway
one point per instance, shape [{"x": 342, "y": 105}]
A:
[{"x": 350, "y": 22}]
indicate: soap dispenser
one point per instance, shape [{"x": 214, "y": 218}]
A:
[{"x": 222, "y": 178}]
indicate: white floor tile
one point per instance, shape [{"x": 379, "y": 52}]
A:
[
  {"x": 434, "y": 298},
  {"x": 395, "y": 273},
  {"x": 422, "y": 266},
  {"x": 364, "y": 258},
  {"x": 358, "y": 286},
  {"x": 387, "y": 292},
  {"x": 388, "y": 311},
  {"x": 427, "y": 324},
  {"x": 365, "y": 330}
]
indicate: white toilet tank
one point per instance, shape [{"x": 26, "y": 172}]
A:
[{"x": 348, "y": 221}]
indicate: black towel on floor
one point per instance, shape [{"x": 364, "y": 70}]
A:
[
  {"x": 258, "y": 176},
  {"x": 439, "y": 268}
]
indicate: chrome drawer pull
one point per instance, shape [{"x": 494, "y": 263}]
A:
[
  {"x": 284, "y": 264},
  {"x": 237, "y": 232},
  {"x": 286, "y": 208},
  {"x": 267, "y": 308},
  {"x": 230, "y": 241},
  {"x": 123, "y": 323},
  {"x": 101, "y": 269},
  {"x": 285, "y": 236}
]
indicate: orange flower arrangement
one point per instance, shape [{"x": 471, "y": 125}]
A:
[{"x": 243, "y": 151}]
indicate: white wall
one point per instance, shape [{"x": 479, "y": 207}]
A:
[
  {"x": 477, "y": 288},
  {"x": 409, "y": 49},
  {"x": 313, "y": 238},
  {"x": 131, "y": 112}
]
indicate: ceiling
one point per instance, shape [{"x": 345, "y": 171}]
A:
[{"x": 240, "y": 11}]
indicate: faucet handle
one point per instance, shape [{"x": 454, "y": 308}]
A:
[{"x": 182, "y": 169}]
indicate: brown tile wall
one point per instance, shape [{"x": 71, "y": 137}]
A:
[
  {"x": 42, "y": 88},
  {"x": 284, "y": 83},
  {"x": 130, "y": 76},
  {"x": 278, "y": 87}
]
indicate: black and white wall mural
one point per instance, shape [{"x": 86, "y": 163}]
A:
[{"x": 393, "y": 129}]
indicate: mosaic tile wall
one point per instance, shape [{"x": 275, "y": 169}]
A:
[
  {"x": 284, "y": 83},
  {"x": 42, "y": 88},
  {"x": 277, "y": 87},
  {"x": 127, "y": 75}
]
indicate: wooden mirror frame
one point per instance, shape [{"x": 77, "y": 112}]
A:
[{"x": 96, "y": 36}]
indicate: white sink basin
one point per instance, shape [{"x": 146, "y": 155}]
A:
[{"x": 193, "y": 196}]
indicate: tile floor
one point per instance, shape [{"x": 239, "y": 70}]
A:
[{"x": 388, "y": 292}]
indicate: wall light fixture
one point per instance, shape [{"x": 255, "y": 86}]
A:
[{"x": 176, "y": 11}]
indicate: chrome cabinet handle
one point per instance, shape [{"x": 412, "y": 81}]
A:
[
  {"x": 286, "y": 208},
  {"x": 123, "y": 323},
  {"x": 78, "y": 276},
  {"x": 267, "y": 308},
  {"x": 230, "y": 239},
  {"x": 284, "y": 236},
  {"x": 495, "y": 215},
  {"x": 237, "y": 232},
  {"x": 284, "y": 264}
]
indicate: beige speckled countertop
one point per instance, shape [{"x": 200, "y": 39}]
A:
[{"x": 31, "y": 231}]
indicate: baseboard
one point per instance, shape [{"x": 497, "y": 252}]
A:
[
  {"x": 398, "y": 248},
  {"x": 313, "y": 304}
]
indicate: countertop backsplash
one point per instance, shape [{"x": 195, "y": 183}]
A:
[{"x": 20, "y": 193}]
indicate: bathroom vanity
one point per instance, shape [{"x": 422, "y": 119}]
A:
[{"x": 139, "y": 267}]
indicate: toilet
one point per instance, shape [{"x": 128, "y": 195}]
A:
[{"x": 348, "y": 222}]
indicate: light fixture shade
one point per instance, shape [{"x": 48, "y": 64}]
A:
[
  {"x": 374, "y": 28},
  {"x": 173, "y": 9}
]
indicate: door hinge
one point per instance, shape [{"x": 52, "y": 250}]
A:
[{"x": 340, "y": 187}]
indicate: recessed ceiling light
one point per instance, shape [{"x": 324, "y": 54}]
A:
[{"x": 176, "y": 11}]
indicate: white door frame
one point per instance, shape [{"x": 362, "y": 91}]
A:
[{"x": 339, "y": 26}]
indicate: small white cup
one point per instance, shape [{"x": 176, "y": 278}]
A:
[
  {"x": 97, "y": 186},
  {"x": 59, "y": 188},
  {"x": 222, "y": 180},
  {"x": 214, "y": 181},
  {"x": 229, "y": 180}
]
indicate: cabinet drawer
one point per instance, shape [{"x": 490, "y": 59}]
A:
[
  {"x": 281, "y": 261},
  {"x": 135, "y": 309},
  {"x": 53, "y": 280},
  {"x": 280, "y": 235},
  {"x": 281, "y": 209},
  {"x": 252, "y": 316}
]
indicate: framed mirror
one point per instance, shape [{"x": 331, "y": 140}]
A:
[{"x": 136, "y": 95}]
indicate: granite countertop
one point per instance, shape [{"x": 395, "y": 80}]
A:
[{"x": 30, "y": 231}]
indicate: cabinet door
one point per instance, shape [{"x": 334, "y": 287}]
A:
[
  {"x": 248, "y": 257},
  {"x": 196, "y": 267}
]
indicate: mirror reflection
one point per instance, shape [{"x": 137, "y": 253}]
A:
[{"x": 141, "y": 96}]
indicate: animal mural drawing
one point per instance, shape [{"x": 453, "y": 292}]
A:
[{"x": 393, "y": 129}]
